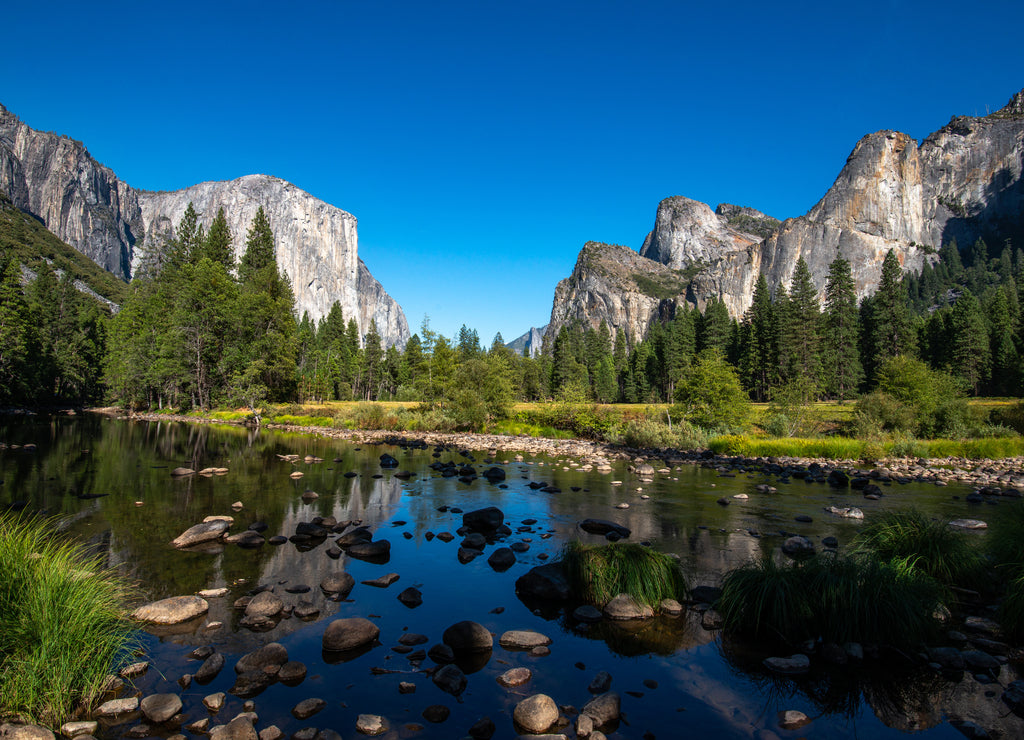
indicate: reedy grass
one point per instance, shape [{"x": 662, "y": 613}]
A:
[
  {"x": 599, "y": 573},
  {"x": 1005, "y": 539},
  {"x": 832, "y": 597},
  {"x": 63, "y": 626},
  {"x": 930, "y": 546},
  {"x": 1011, "y": 610}
]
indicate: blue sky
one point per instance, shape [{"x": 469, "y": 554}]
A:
[{"x": 480, "y": 144}]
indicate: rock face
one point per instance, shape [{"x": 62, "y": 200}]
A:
[
  {"x": 112, "y": 223},
  {"x": 962, "y": 182}
]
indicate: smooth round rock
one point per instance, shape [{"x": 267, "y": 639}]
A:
[
  {"x": 240, "y": 728},
  {"x": 307, "y": 708},
  {"x": 265, "y": 604},
  {"x": 159, "y": 708},
  {"x": 523, "y": 639},
  {"x": 349, "y": 634},
  {"x": 174, "y": 610},
  {"x": 794, "y": 664},
  {"x": 536, "y": 713},
  {"x": 625, "y": 606},
  {"x": 468, "y": 637},
  {"x": 337, "y": 583},
  {"x": 273, "y": 653}
]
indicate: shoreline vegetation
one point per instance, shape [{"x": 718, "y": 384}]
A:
[{"x": 615, "y": 431}]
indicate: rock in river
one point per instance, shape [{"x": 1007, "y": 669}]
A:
[
  {"x": 523, "y": 639},
  {"x": 625, "y": 606},
  {"x": 468, "y": 637},
  {"x": 603, "y": 527},
  {"x": 174, "y": 610},
  {"x": 483, "y": 520},
  {"x": 546, "y": 582},
  {"x": 349, "y": 634},
  {"x": 159, "y": 708},
  {"x": 536, "y": 713},
  {"x": 204, "y": 532}
]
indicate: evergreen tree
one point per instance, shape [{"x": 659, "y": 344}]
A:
[
  {"x": 372, "y": 365},
  {"x": 218, "y": 242},
  {"x": 758, "y": 344},
  {"x": 15, "y": 333},
  {"x": 969, "y": 342},
  {"x": 841, "y": 338},
  {"x": 1005, "y": 358},
  {"x": 805, "y": 318},
  {"x": 259, "y": 248},
  {"x": 892, "y": 331},
  {"x": 714, "y": 327}
]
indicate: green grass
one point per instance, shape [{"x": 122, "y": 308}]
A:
[
  {"x": 1005, "y": 538},
  {"x": 303, "y": 421},
  {"x": 1011, "y": 610},
  {"x": 832, "y": 448},
  {"x": 836, "y": 598},
  {"x": 599, "y": 573},
  {"x": 63, "y": 627},
  {"x": 928, "y": 545}
]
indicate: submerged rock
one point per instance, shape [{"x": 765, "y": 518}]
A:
[
  {"x": 547, "y": 582},
  {"x": 625, "y": 606},
  {"x": 200, "y": 533}
]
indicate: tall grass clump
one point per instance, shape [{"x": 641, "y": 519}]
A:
[
  {"x": 928, "y": 545},
  {"x": 1011, "y": 610},
  {"x": 63, "y": 627},
  {"x": 831, "y": 597},
  {"x": 1005, "y": 540},
  {"x": 599, "y": 573}
]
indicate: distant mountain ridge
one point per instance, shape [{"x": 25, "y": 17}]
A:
[
  {"x": 962, "y": 182},
  {"x": 87, "y": 206}
]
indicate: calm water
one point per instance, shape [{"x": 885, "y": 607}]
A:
[{"x": 111, "y": 481}]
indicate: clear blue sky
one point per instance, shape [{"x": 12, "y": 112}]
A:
[{"x": 479, "y": 143}]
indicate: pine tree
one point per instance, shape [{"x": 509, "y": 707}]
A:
[
  {"x": 218, "y": 242},
  {"x": 843, "y": 372},
  {"x": 758, "y": 322},
  {"x": 372, "y": 365},
  {"x": 892, "y": 332},
  {"x": 15, "y": 333},
  {"x": 805, "y": 317},
  {"x": 714, "y": 327},
  {"x": 259, "y": 248},
  {"x": 969, "y": 342},
  {"x": 1005, "y": 358}
]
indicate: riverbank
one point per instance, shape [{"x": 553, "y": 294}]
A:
[{"x": 991, "y": 476}]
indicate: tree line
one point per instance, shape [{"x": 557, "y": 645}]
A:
[{"x": 198, "y": 330}]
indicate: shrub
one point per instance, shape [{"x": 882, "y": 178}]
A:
[
  {"x": 710, "y": 396},
  {"x": 928, "y": 545},
  {"x": 832, "y": 597},
  {"x": 599, "y": 573},
  {"x": 62, "y": 623}
]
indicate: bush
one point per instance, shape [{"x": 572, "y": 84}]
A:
[
  {"x": 653, "y": 435},
  {"x": 934, "y": 400},
  {"x": 599, "y": 573},
  {"x": 831, "y": 597},
  {"x": 928, "y": 545},
  {"x": 878, "y": 412},
  {"x": 62, "y": 624},
  {"x": 710, "y": 396}
]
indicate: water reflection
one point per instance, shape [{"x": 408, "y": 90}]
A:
[{"x": 111, "y": 482}]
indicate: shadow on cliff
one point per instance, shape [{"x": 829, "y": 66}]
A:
[{"x": 1002, "y": 218}]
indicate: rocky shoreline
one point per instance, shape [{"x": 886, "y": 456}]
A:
[{"x": 1004, "y": 476}]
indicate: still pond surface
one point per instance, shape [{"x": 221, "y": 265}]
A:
[{"x": 110, "y": 481}]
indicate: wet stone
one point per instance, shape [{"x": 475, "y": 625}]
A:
[{"x": 515, "y": 677}]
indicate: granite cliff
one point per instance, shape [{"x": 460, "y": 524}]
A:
[
  {"x": 962, "y": 182},
  {"x": 87, "y": 206}
]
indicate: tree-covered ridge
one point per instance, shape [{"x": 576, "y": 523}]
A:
[{"x": 25, "y": 239}]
